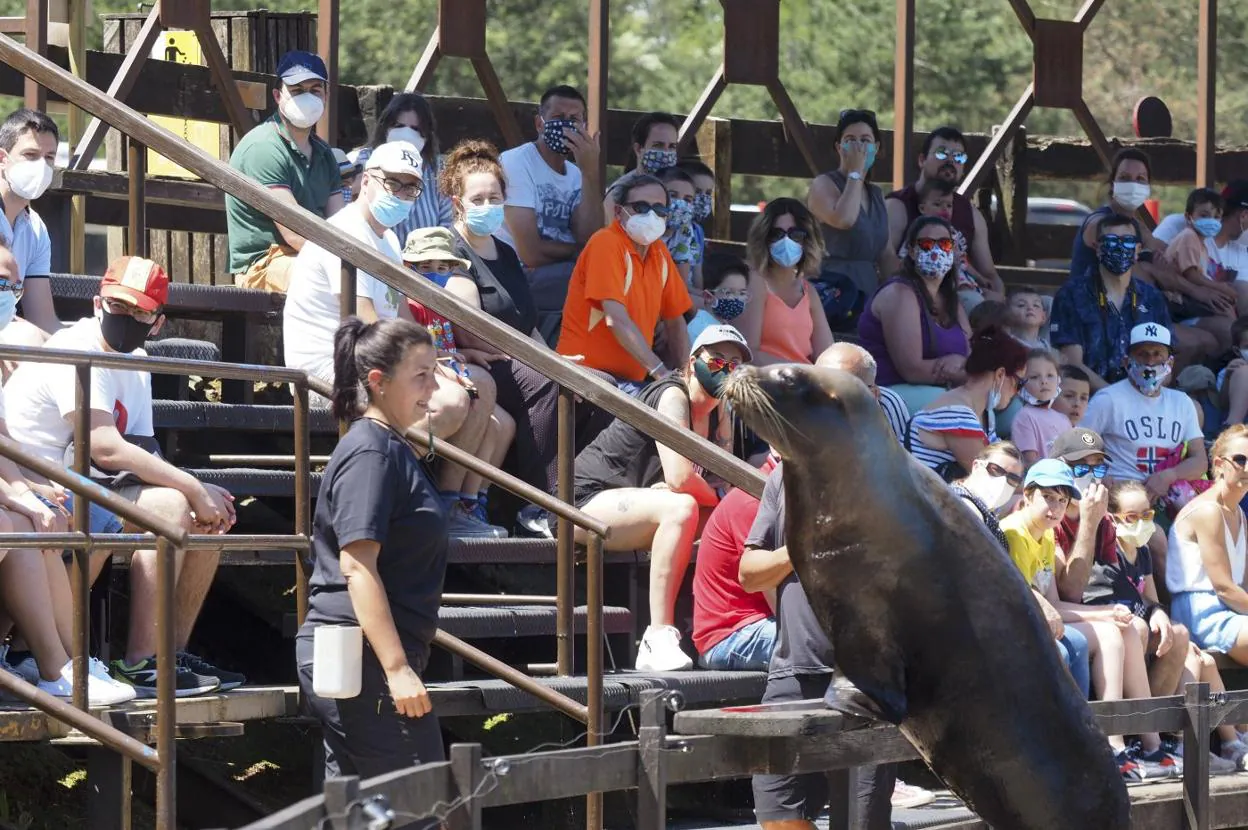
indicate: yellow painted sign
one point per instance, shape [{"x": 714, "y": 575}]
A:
[{"x": 182, "y": 47}]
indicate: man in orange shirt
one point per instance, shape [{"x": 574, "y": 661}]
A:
[{"x": 624, "y": 283}]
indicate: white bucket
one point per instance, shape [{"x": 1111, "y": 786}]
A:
[{"x": 337, "y": 660}]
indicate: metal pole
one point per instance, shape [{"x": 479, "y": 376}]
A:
[
  {"x": 166, "y": 704},
  {"x": 565, "y": 561},
  {"x": 137, "y": 170},
  {"x": 81, "y": 571},
  {"x": 903, "y": 93},
  {"x": 593, "y": 670},
  {"x": 1206, "y": 94},
  {"x": 303, "y": 507}
]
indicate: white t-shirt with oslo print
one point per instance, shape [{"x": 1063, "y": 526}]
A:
[{"x": 1141, "y": 433}]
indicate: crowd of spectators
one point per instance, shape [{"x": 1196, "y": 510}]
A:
[{"x": 1093, "y": 432}]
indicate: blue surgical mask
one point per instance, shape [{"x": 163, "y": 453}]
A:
[
  {"x": 1207, "y": 226},
  {"x": 388, "y": 209},
  {"x": 656, "y": 159},
  {"x": 872, "y": 150},
  {"x": 8, "y": 305},
  {"x": 786, "y": 252},
  {"x": 483, "y": 220},
  {"x": 701, "y": 207},
  {"x": 434, "y": 277}
]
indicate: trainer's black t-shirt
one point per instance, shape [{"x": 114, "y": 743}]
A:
[
  {"x": 375, "y": 487},
  {"x": 801, "y": 645}
]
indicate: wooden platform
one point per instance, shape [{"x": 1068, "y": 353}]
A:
[{"x": 137, "y": 718}]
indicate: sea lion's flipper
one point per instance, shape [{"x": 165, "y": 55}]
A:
[{"x": 844, "y": 696}]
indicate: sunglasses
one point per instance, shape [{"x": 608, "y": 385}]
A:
[
  {"x": 1113, "y": 240},
  {"x": 796, "y": 234},
  {"x": 18, "y": 287},
  {"x": 720, "y": 364},
  {"x": 945, "y": 244},
  {"x": 1239, "y": 460},
  {"x": 944, "y": 155},
  {"x": 642, "y": 208},
  {"x": 1098, "y": 471},
  {"x": 1130, "y": 518},
  {"x": 996, "y": 471}
]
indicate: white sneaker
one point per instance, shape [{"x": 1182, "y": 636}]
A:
[
  {"x": 908, "y": 797},
  {"x": 102, "y": 689},
  {"x": 660, "y": 650},
  {"x": 1237, "y": 753}
]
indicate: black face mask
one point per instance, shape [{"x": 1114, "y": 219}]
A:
[
  {"x": 711, "y": 382},
  {"x": 122, "y": 332}
]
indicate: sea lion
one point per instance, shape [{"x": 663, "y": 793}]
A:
[{"x": 928, "y": 617}]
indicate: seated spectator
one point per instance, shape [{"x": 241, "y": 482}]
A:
[
  {"x": 679, "y": 234},
  {"x": 553, "y": 205},
  {"x": 1037, "y": 423},
  {"x": 1125, "y": 577},
  {"x": 624, "y": 285},
  {"x": 408, "y": 117},
  {"x": 1129, "y": 177},
  {"x": 349, "y": 171},
  {"x": 651, "y": 496},
  {"x": 488, "y": 430},
  {"x": 1232, "y": 381},
  {"x": 785, "y": 249},
  {"x": 358, "y": 157},
  {"x": 1029, "y": 319},
  {"x": 1094, "y": 314},
  {"x": 1076, "y": 389},
  {"x": 853, "y": 220},
  {"x": 948, "y": 434},
  {"x": 913, "y": 325},
  {"x": 1205, "y": 568},
  {"x": 703, "y": 205},
  {"x": 989, "y": 313},
  {"x": 936, "y": 199},
  {"x": 286, "y": 156},
  {"x": 852, "y": 358},
  {"x": 1200, "y": 384},
  {"x": 656, "y": 139},
  {"x": 28, "y": 141},
  {"x": 1194, "y": 255},
  {"x": 472, "y": 178},
  {"x": 944, "y": 157},
  {"x": 42, "y": 408},
  {"x": 725, "y": 293}
]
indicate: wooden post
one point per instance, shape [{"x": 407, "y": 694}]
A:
[
  {"x": 425, "y": 67},
  {"x": 109, "y": 789},
  {"x": 652, "y": 777},
  {"x": 715, "y": 147},
  {"x": 599, "y": 72},
  {"x": 1196, "y": 757},
  {"x": 327, "y": 48},
  {"x": 706, "y": 101},
  {"x": 1206, "y": 91},
  {"x": 37, "y": 41},
  {"x": 467, "y": 770},
  {"x": 1012, "y": 208},
  {"x": 903, "y": 95},
  {"x": 989, "y": 159},
  {"x": 137, "y": 163}
]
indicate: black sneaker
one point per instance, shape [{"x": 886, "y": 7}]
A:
[
  {"x": 198, "y": 665},
  {"x": 142, "y": 676}
]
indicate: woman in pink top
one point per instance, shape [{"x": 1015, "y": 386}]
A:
[{"x": 785, "y": 248}]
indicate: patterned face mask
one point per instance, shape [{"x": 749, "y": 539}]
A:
[
  {"x": 701, "y": 207},
  {"x": 656, "y": 159},
  {"x": 679, "y": 214},
  {"x": 552, "y": 134}
]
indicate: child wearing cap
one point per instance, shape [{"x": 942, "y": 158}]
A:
[{"x": 1048, "y": 490}]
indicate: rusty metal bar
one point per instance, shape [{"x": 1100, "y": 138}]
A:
[
  {"x": 155, "y": 365},
  {"x": 498, "y": 599},
  {"x": 594, "y": 668},
  {"x": 503, "y": 479},
  {"x": 903, "y": 94},
  {"x": 565, "y": 554},
  {"x": 517, "y": 344},
  {"x": 303, "y": 499},
  {"x": 81, "y": 570},
  {"x": 327, "y": 47},
  {"x": 137, "y": 163},
  {"x": 147, "y": 541},
  {"x": 84, "y": 722},
  {"x": 37, "y": 41},
  {"x": 119, "y": 88},
  {"x": 519, "y": 679},
  {"x": 166, "y": 703},
  {"x": 1207, "y": 94}
]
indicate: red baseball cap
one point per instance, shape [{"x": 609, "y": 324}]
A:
[{"x": 137, "y": 281}]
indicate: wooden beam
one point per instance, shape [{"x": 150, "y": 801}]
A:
[
  {"x": 1026, "y": 17},
  {"x": 1012, "y": 205},
  {"x": 1087, "y": 13},
  {"x": 1083, "y": 114},
  {"x": 240, "y": 117},
  {"x": 903, "y": 95},
  {"x": 327, "y": 48},
  {"x": 497, "y": 98},
  {"x": 715, "y": 148},
  {"x": 13, "y": 25},
  {"x": 461, "y": 28},
  {"x": 1207, "y": 94},
  {"x": 988, "y": 159},
  {"x": 427, "y": 64},
  {"x": 120, "y": 88},
  {"x": 599, "y": 73},
  {"x": 37, "y": 41},
  {"x": 706, "y": 101},
  {"x": 795, "y": 126},
  {"x": 136, "y": 236}
]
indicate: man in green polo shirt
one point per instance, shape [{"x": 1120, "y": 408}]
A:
[{"x": 283, "y": 155}]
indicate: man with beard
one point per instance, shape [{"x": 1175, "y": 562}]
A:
[{"x": 944, "y": 157}]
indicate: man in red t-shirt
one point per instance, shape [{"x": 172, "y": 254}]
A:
[{"x": 732, "y": 628}]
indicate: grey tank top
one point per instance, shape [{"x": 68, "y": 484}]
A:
[{"x": 853, "y": 252}]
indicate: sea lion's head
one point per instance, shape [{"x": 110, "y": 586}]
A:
[{"x": 800, "y": 409}]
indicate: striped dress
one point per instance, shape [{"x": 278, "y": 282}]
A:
[
  {"x": 431, "y": 209},
  {"x": 955, "y": 421}
]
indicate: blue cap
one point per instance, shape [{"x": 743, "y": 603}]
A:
[
  {"x": 1051, "y": 472},
  {"x": 298, "y": 66}
]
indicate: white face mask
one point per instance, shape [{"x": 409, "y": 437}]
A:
[
  {"x": 28, "y": 179},
  {"x": 302, "y": 110},
  {"x": 645, "y": 228},
  {"x": 993, "y": 491},
  {"x": 1137, "y": 533},
  {"x": 409, "y": 134},
  {"x": 1130, "y": 194}
]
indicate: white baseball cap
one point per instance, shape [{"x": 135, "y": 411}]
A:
[
  {"x": 397, "y": 158},
  {"x": 721, "y": 333},
  {"x": 1151, "y": 333}
]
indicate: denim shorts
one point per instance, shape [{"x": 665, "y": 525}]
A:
[
  {"x": 747, "y": 649},
  {"x": 101, "y": 520},
  {"x": 1214, "y": 627}
]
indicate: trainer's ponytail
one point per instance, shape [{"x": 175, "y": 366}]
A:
[{"x": 361, "y": 347}]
